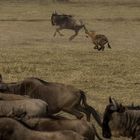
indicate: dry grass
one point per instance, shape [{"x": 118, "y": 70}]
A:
[{"x": 27, "y": 48}]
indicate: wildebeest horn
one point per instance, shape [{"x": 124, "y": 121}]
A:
[
  {"x": 114, "y": 102},
  {"x": 110, "y": 100}
]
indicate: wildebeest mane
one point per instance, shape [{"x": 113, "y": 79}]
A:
[{"x": 133, "y": 107}]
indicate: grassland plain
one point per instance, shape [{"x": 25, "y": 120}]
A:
[{"x": 28, "y": 48}]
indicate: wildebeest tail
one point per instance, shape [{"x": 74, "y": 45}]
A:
[
  {"x": 83, "y": 98},
  {"x": 90, "y": 109},
  {"x": 96, "y": 133}
]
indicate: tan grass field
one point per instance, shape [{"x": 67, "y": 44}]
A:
[{"x": 28, "y": 48}]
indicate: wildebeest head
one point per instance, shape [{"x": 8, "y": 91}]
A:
[{"x": 111, "y": 108}]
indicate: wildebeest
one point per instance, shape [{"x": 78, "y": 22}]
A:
[
  {"x": 81, "y": 126},
  {"x": 59, "y": 97},
  {"x": 11, "y": 129},
  {"x": 64, "y": 21},
  {"x": 120, "y": 121},
  {"x": 27, "y": 107},
  {"x": 97, "y": 39}
]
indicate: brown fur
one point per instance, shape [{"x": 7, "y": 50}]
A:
[
  {"x": 9, "y": 97},
  {"x": 121, "y": 121},
  {"x": 82, "y": 127},
  {"x": 97, "y": 39},
  {"x": 58, "y": 96},
  {"x": 13, "y": 130},
  {"x": 65, "y": 22},
  {"x": 27, "y": 107}
]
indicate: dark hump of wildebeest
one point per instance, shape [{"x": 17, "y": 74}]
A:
[
  {"x": 11, "y": 129},
  {"x": 59, "y": 97},
  {"x": 57, "y": 19},
  {"x": 121, "y": 121}
]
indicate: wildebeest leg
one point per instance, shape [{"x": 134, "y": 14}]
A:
[
  {"x": 82, "y": 109},
  {"x": 73, "y": 36},
  {"x": 75, "y": 112},
  {"x": 58, "y": 31},
  {"x": 96, "y": 45},
  {"x": 101, "y": 48}
]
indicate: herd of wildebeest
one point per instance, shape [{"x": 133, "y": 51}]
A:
[{"x": 29, "y": 108}]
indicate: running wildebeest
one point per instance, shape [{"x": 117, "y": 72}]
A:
[
  {"x": 11, "y": 129},
  {"x": 65, "y": 22},
  {"x": 97, "y": 39},
  {"x": 120, "y": 121},
  {"x": 27, "y": 107},
  {"x": 59, "y": 97},
  {"x": 81, "y": 126}
]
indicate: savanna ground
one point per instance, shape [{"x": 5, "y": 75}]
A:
[{"x": 28, "y": 48}]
